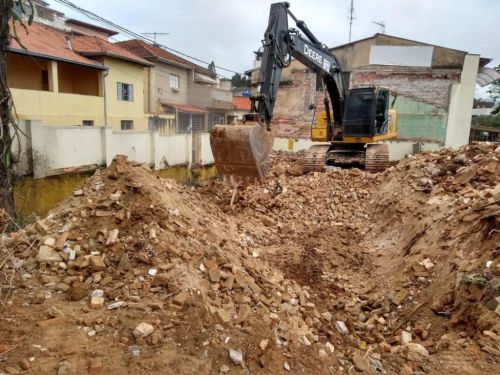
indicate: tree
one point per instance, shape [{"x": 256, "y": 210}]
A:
[
  {"x": 211, "y": 67},
  {"x": 494, "y": 89},
  {"x": 11, "y": 13},
  {"x": 240, "y": 82}
]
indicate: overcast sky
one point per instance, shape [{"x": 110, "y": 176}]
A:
[{"x": 227, "y": 31}]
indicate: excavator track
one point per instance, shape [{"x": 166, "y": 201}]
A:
[
  {"x": 314, "y": 159},
  {"x": 376, "y": 158}
]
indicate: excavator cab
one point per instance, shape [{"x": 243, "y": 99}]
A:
[{"x": 367, "y": 115}]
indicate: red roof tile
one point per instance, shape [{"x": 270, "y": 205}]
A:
[
  {"x": 148, "y": 51},
  {"x": 241, "y": 102},
  {"x": 95, "y": 46},
  {"x": 46, "y": 42}
]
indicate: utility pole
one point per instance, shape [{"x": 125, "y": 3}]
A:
[
  {"x": 154, "y": 34},
  {"x": 350, "y": 18}
]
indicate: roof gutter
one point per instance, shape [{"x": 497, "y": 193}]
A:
[{"x": 49, "y": 57}]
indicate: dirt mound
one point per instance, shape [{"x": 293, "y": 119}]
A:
[
  {"x": 129, "y": 248},
  {"x": 439, "y": 250},
  {"x": 321, "y": 273}
]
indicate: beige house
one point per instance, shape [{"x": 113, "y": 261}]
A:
[{"x": 180, "y": 97}]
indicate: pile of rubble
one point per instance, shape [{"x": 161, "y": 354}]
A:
[
  {"x": 147, "y": 262},
  {"x": 321, "y": 273}
]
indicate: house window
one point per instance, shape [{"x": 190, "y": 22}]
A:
[
  {"x": 88, "y": 123},
  {"x": 127, "y": 125},
  {"x": 125, "y": 92},
  {"x": 174, "y": 82},
  {"x": 214, "y": 119}
]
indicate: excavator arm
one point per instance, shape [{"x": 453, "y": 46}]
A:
[
  {"x": 242, "y": 150},
  {"x": 280, "y": 44}
]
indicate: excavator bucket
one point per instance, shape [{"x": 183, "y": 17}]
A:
[{"x": 241, "y": 150}]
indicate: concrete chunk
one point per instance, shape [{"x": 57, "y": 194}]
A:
[
  {"x": 143, "y": 330},
  {"x": 48, "y": 255},
  {"x": 97, "y": 263}
]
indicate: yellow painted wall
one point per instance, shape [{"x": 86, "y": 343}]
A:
[
  {"x": 42, "y": 195},
  {"x": 65, "y": 108},
  {"x": 129, "y": 73},
  {"x": 25, "y": 72},
  {"x": 58, "y": 109}
]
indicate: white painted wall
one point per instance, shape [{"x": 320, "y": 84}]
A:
[
  {"x": 206, "y": 155},
  {"x": 171, "y": 150},
  {"x": 48, "y": 149},
  {"x": 461, "y": 100},
  {"x": 135, "y": 145},
  {"x": 21, "y": 148},
  {"x": 64, "y": 147}
]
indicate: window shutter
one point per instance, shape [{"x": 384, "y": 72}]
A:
[
  {"x": 119, "y": 91},
  {"x": 131, "y": 92}
]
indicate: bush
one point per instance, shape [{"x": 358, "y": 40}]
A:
[{"x": 486, "y": 120}]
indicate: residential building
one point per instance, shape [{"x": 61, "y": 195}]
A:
[
  {"x": 69, "y": 80},
  {"x": 51, "y": 82},
  {"x": 435, "y": 87},
  {"x": 241, "y": 105},
  {"x": 123, "y": 83},
  {"x": 180, "y": 96}
]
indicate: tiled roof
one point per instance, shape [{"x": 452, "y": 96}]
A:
[
  {"x": 186, "y": 107},
  {"x": 43, "y": 41},
  {"x": 241, "y": 102},
  {"x": 148, "y": 51},
  {"x": 95, "y": 46}
]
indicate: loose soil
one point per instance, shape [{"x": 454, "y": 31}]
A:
[{"x": 334, "y": 272}]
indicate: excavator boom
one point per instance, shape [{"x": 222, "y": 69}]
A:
[{"x": 242, "y": 150}]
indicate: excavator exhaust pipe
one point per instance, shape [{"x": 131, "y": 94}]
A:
[{"x": 241, "y": 150}]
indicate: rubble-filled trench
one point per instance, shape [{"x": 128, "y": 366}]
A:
[{"x": 335, "y": 272}]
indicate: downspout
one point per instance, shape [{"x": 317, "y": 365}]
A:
[
  {"x": 105, "y": 74},
  {"x": 149, "y": 90}
]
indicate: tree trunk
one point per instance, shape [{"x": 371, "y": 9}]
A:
[{"x": 6, "y": 173}]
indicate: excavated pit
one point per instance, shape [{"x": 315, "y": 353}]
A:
[{"x": 320, "y": 273}]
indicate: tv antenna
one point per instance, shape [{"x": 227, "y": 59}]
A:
[
  {"x": 351, "y": 18},
  {"x": 155, "y": 34},
  {"x": 381, "y": 24}
]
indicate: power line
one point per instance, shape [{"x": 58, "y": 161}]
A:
[{"x": 126, "y": 31}]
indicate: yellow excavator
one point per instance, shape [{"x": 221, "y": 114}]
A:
[{"x": 349, "y": 131}]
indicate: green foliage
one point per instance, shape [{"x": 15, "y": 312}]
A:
[
  {"x": 476, "y": 279},
  {"x": 240, "y": 82},
  {"x": 211, "y": 67},
  {"x": 494, "y": 89},
  {"x": 492, "y": 121}
]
